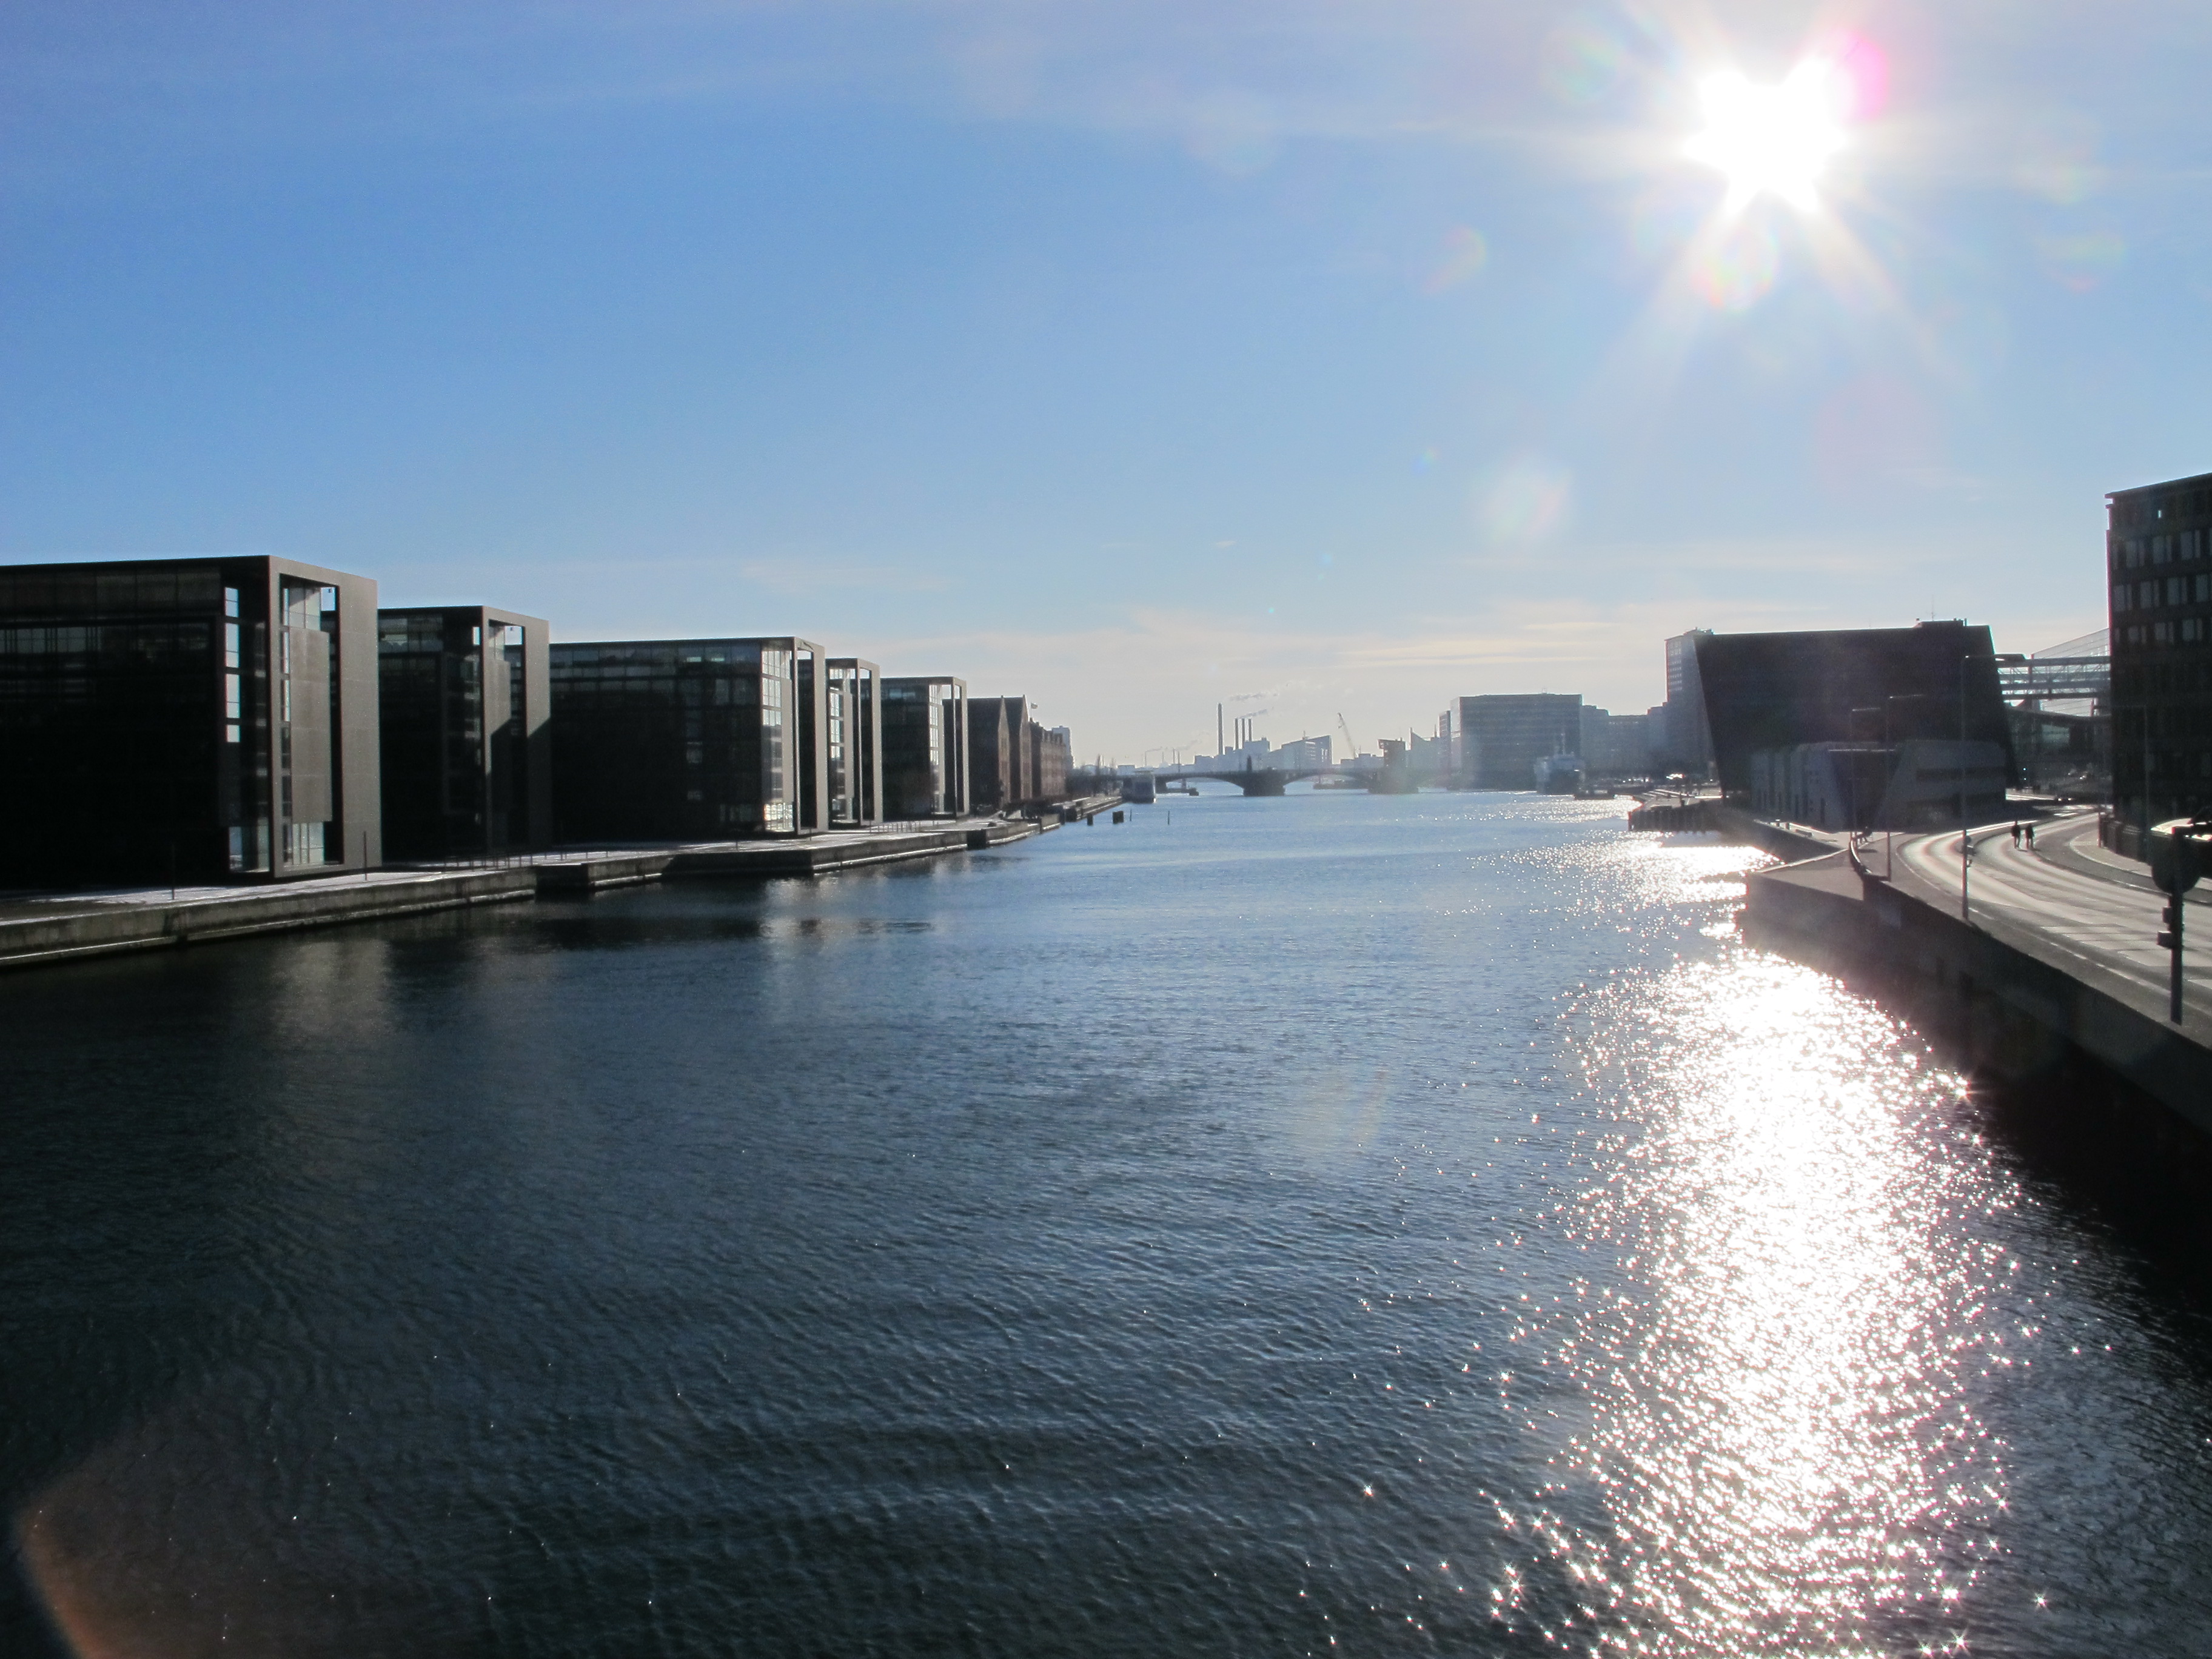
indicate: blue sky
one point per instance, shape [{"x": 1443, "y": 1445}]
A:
[{"x": 1310, "y": 358}]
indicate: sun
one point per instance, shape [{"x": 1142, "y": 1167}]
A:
[{"x": 1773, "y": 140}]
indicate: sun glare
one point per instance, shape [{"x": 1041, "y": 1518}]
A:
[{"x": 1773, "y": 140}]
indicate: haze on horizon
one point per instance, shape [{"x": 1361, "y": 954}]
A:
[{"x": 1304, "y": 356}]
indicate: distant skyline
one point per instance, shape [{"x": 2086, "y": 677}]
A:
[{"x": 1309, "y": 357}]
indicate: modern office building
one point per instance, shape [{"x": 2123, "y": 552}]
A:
[
  {"x": 685, "y": 739},
  {"x": 1935, "y": 680},
  {"x": 1687, "y": 743},
  {"x": 186, "y": 719},
  {"x": 2159, "y": 563},
  {"x": 854, "y": 751},
  {"x": 924, "y": 747},
  {"x": 1615, "y": 746},
  {"x": 1498, "y": 740},
  {"x": 463, "y": 701},
  {"x": 993, "y": 765}
]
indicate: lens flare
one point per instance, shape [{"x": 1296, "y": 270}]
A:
[
  {"x": 1778, "y": 140},
  {"x": 1736, "y": 270},
  {"x": 1465, "y": 254}
]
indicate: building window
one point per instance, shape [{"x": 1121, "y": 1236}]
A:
[
  {"x": 2162, "y": 633},
  {"x": 2123, "y": 597},
  {"x": 230, "y": 602},
  {"x": 2177, "y": 590},
  {"x": 2192, "y": 629},
  {"x": 2203, "y": 588},
  {"x": 2146, "y": 595}
]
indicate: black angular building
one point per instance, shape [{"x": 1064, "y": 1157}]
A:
[
  {"x": 1936, "y": 680},
  {"x": 2158, "y": 557},
  {"x": 924, "y": 747},
  {"x": 465, "y": 700},
  {"x": 192, "y": 720},
  {"x": 687, "y": 740}
]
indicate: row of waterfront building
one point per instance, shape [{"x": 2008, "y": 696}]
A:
[
  {"x": 257, "y": 718},
  {"x": 1886, "y": 725},
  {"x": 1896, "y": 726}
]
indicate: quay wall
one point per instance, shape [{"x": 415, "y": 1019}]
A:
[
  {"x": 66, "y": 930},
  {"x": 2078, "y": 1055}
]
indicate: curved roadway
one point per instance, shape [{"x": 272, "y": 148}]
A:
[{"x": 2063, "y": 890}]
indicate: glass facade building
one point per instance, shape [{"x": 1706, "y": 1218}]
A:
[
  {"x": 188, "y": 720},
  {"x": 465, "y": 699},
  {"x": 2158, "y": 555},
  {"x": 1498, "y": 740},
  {"x": 853, "y": 758},
  {"x": 924, "y": 747},
  {"x": 685, "y": 739}
]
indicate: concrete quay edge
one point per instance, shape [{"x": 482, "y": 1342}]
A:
[
  {"x": 108, "y": 928},
  {"x": 91, "y": 928},
  {"x": 2015, "y": 1001}
]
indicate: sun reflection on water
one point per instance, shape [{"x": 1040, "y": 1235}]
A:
[{"x": 1779, "y": 1432}]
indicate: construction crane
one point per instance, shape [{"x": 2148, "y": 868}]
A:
[{"x": 1351, "y": 743}]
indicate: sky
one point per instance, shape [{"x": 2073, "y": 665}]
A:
[{"x": 1306, "y": 359}]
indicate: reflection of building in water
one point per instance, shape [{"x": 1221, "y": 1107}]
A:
[
  {"x": 193, "y": 720},
  {"x": 684, "y": 740},
  {"x": 466, "y": 749}
]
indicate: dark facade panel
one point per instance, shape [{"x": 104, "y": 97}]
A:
[
  {"x": 194, "y": 719},
  {"x": 924, "y": 747},
  {"x": 1776, "y": 691},
  {"x": 990, "y": 766},
  {"x": 678, "y": 739},
  {"x": 2158, "y": 556},
  {"x": 465, "y": 699}
]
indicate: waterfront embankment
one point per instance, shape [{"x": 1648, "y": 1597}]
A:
[
  {"x": 65, "y": 928},
  {"x": 2070, "y": 1029}
]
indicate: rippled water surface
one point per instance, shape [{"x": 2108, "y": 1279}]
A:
[{"x": 1331, "y": 1224}]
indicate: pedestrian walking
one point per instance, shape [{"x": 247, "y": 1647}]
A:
[{"x": 2015, "y": 834}]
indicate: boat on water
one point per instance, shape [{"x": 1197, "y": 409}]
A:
[
  {"x": 1139, "y": 790},
  {"x": 1559, "y": 774},
  {"x": 1395, "y": 776}
]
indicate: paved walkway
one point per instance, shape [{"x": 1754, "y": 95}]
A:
[{"x": 2094, "y": 908}]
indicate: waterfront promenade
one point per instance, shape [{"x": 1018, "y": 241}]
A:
[
  {"x": 43, "y": 929},
  {"x": 2058, "y": 963}
]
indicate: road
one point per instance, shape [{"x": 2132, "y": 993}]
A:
[{"x": 2109, "y": 916}]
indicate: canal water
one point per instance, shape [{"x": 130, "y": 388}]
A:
[{"x": 1333, "y": 1225}]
